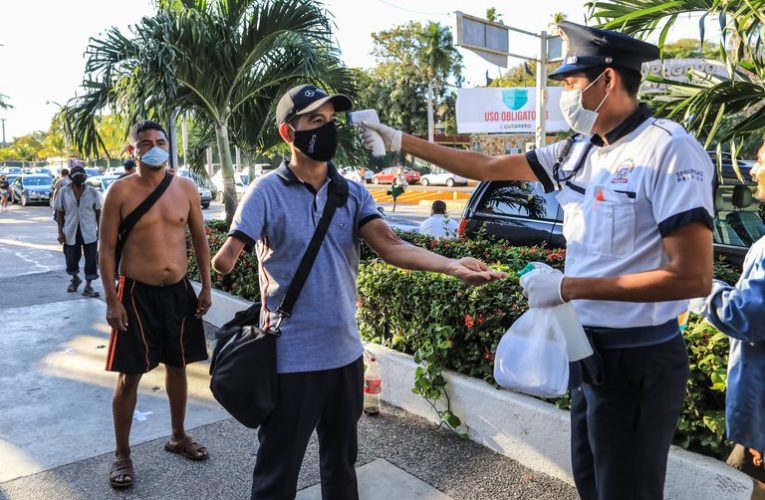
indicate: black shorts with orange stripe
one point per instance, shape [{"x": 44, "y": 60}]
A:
[{"x": 161, "y": 328}]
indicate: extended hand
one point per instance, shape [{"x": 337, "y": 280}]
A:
[
  {"x": 473, "y": 272},
  {"x": 542, "y": 287},
  {"x": 204, "y": 301},
  {"x": 390, "y": 136},
  {"x": 61, "y": 238}
]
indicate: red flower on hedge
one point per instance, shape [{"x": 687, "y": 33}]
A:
[
  {"x": 479, "y": 319},
  {"x": 469, "y": 321},
  {"x": 488, "y": 356}
]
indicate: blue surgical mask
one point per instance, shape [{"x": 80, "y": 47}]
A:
[{"x": 155, "y": 157}]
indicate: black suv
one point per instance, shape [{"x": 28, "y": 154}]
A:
[{"x": 523, "y": 214}]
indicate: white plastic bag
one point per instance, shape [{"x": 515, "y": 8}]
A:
[{"x": 532, "y": 355}]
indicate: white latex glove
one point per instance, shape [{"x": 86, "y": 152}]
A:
[
  {"x": 390, "y": 136},
  {"x": 542, "y": 286}
]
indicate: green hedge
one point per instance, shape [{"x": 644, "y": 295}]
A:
[{"x": 446, "y": 325}]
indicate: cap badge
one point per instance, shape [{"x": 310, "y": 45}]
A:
[{"x": 308, "y": 93}]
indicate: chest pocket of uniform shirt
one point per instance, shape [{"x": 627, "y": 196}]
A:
[
  {"x": 573, "y": 220},
  {"x": 609, "y": 217}
]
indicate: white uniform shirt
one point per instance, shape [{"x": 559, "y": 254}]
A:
[
  {"x": 439, "y": 226},
  {"x": 82, "y": 214},
  {"x": 652, "y": 178}
]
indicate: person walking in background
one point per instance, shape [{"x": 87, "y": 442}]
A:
[
  {"x": 78, "y": 212},
  {"x": 398, "y": 187},
  {"x": 739, "y": 312},
  {"x": 129, "y": 167},
  {"x": 5, "y": 192},
  {"x": 60, "y": 183},
  {"x": 439, "y": 225}
]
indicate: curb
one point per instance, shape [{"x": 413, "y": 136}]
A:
[{"x": 526, "y": 429}]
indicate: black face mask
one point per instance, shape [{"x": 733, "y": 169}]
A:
[
  {"x": 319, "y": 144},
  {"x": 79, "y": 180}
]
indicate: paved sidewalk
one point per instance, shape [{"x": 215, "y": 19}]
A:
[{"x": 55, "y": 425}]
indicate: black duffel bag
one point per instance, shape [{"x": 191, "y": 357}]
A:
[
  {"x": 243, "y": 363},
  {"x": 243, "y": 368}
]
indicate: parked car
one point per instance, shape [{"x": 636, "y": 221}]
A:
[
  {"x": 92, "y": 172},
  {"x": 388, "y": 175},
  {"x": 32, "y": 188},
  {"x": 523, "y": 214},
  {"x": 205, "y": 194},
  {"x": 12, "y": 170},
  {"x": 352, "y": 174},
  {"x": 101, "y": 183},
  {"x": 443, "y": 178},
  {"x": 239, "y": 184}
]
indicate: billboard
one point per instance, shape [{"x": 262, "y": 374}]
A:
[{"x": 506, "y": 110}]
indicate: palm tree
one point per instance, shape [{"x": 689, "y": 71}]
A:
[
  {"x": 729, "y": 110},
  {"x": 225, "y": 62},
  {"x": 437, "y": 57},
  {"x": 3, "y": 103}
]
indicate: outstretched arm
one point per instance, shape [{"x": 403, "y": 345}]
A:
[
  {"x": 399, "y": 253},
  {"x": 464, "y": 163}
]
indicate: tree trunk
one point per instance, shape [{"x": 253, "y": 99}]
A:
[
  {"x": 430, "y": 111},
  {"x": 185, "y": 139},
  {"x": 227, "y": 169},
  {"x": 173, "y": 138}
]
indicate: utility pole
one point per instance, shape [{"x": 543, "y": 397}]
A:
[
  {"x": 541, "y": 133},
  {"x": 3, "y": 120},
  {"x": 185, "y": 138}
]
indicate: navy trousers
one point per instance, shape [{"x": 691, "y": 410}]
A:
[
  {"x": 621, "y": 430},
  {"x": 329, "y": 401}
]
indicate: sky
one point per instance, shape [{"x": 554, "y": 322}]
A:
[{"x": 43, "y": 41}]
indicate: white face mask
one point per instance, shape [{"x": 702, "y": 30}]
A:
[{"x": 580, "y": 120}]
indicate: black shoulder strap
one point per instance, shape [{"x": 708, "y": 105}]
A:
[
  {"x": 132, "y": 219},
  {"x": 336, "y": 197}
]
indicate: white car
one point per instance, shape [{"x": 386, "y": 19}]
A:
[
  {"x": 102, "y": 183},
  {"x": 239, "y": 184},
  {"x": 352, "y": 174},
  {"x": 443, "y": 179}
]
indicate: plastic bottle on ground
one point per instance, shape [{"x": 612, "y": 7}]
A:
[{"x": 372, "y": 387}]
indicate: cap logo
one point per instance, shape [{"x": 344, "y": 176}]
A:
[{"x": 308, "y": 93}]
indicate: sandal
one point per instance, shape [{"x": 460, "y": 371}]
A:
[
  {"x": 188, "y": 448},
  {"x": 89, "y": 292},
  {"x": 122, "y": 468}
]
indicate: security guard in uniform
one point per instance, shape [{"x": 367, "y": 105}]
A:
[{"x": 637, "y": 197}]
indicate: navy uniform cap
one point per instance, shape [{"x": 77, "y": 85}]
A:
[
  {"x": 306, "y": 98},
  {"x": 587, "y": 47}
]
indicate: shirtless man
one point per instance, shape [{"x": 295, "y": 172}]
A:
[{"x": 154, "y": 314}]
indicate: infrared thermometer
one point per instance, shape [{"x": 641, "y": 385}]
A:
[{"x": 369, "y": 115}]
